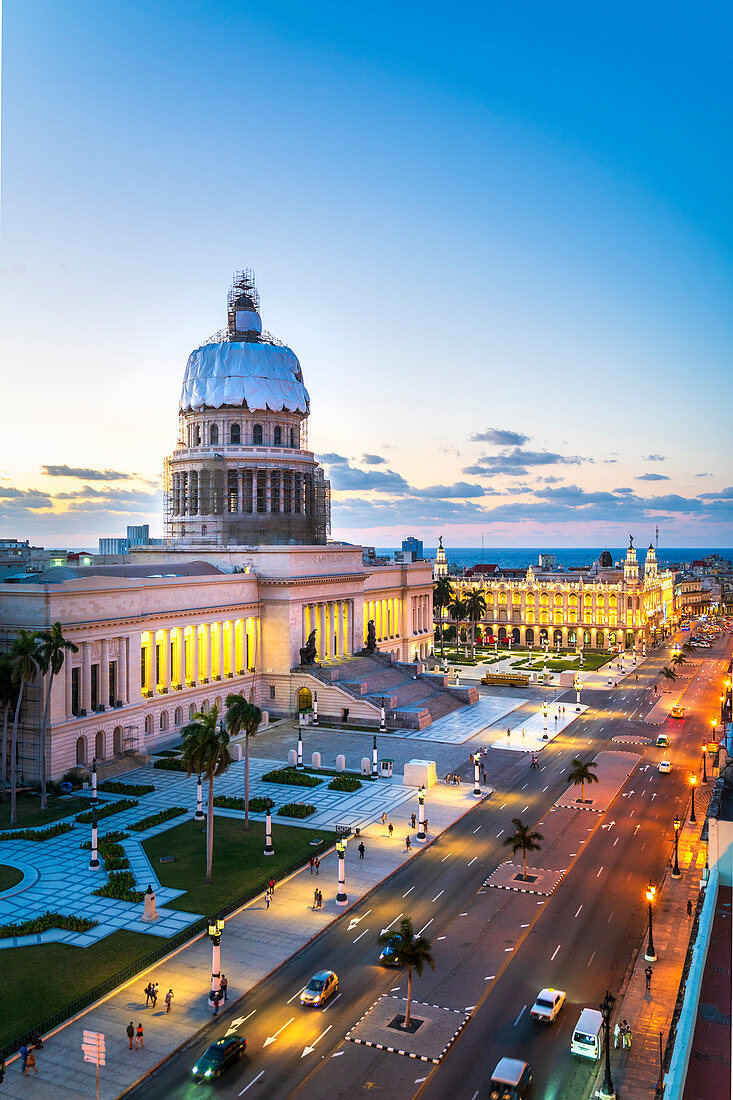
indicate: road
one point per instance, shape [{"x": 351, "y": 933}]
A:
[{"x": 581, "y": 940}]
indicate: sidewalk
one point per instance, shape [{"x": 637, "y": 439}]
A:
[
  {"x": 255, "y": 941},
  {"x": 635, "y": 1072}
]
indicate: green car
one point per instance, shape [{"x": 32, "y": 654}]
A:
[{"x": 219, "y": 1056}]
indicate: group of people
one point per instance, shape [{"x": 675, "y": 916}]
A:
[
  {"x": 27, "y": 1057},
  {"x": 622, "y": 1032},
  {"x": 315, "y": 865},
  {"x": 317, "y": 899},
  {"x": 453, "y": 780}
]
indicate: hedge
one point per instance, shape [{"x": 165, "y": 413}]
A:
[
  {"x": 38, "y": 834},
  {"x": 291, "y": 778},
  {"x": 226, "y": 802},
  {"x": 107, "y": 811},
  {"x": 297, "y": 809},
  {"x": 170, "y": 764},
  {"x": 156, "y": 819},
  {"x": 121, "y": 886},
  {"x": 44, "y": 922},
  {"x": 111, "y": 851},
  {"x": 344, "y": 783},
  {"x": 111, "y": 786}
]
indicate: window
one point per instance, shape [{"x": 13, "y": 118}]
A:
[
  {"x": 278, "y": 437},
  {"x": 95, "y": 686},
  {"x": 148, "y": 724},
  {"x": 163, "y": 721},
  {"x": 75, "y": 693},
  {"x": 257, "y": 435},
  {"x": 191, "y": 712},
  {"x": 213, "y": 435},
  {"x": 117, "y": 741},
  {"x": 100, "y": 745},
  {"x": 178, "y": 716},
  {"x": 81, "y": 752},
  {"x": 272, "y": 691},
  {"x": 305, "y": 699},
  {"x": 197, "y": 435},
  {"x": 292, "y": 438},
  {"x": 235, "y": 434}
]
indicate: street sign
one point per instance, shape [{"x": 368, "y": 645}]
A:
[
  {"x": 94, "y": 1060},
  {"x": 93, "y": 1037}
]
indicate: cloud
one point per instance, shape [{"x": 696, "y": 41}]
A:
[
  {"x": 373, "y": 460},
  {"x": 703, "y": 475},
  {"x": 14, "y": 502},
  {"x": 722, "y": 494},
  {"x": 652, "y": 477},
  {"x": 623, "y": 489},
  {"x": 87, "y": 475},
  {"x": 344, "y": 476},
  {"x": 508, "y": 471},
  {"x": 501, "y": 437},
  {"x": 654, "y": 458},
  {"x": 458, "y": 490},
  {"x": 111, "y": 496},
  {"x": 331, "y": 458}
]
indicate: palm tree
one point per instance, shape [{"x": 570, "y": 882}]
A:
[
  {"x": 475, "y": 605},
  {"x": 243, "y": 716},
  {"x": 205, "y": 752},
  {"x": 687, "y": 647},
  {"x": 410, "y": 949},
  {"x": 7, "y": 693},
  {"x": 25, "y": 668},
  {"x": 669, "y": 674},
  {"x": 582, "y": 774},
  {"x": 443, "y": 593},
  {"x": 678, "y": 659},
  {"x": 52, "y": 649},
  {"x": 457, "y": 612},
  {"x": 523, "y": 840}
]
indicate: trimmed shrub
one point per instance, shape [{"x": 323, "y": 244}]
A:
[
  {"x": 107, "y": 811},
  {"x": 170, "y": 764},
  {"x": 291, "y": 777},
  {"x": 111, "y": 786},
  {"x": 225, "y": 802},
  {"x": 44, "y": 922},
  {"x": 38, "y": 834},
  {"x": 111, "y": 851},
  {"x": 344, "y": 783},
  {"x": 296, "y": 809},
  {"x": 156, "y": 819},
  {"x": 121, "y": 886}
]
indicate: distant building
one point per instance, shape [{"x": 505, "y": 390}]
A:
[
  {"x": 547, "y": 562},
  {"x": 137, "y": 535},
  {"x": 440, "y": 565},
  {"x": 413, "y": 546}
]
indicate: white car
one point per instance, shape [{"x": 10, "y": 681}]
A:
[
  {"x": 664, "y": 766},
  {"x": 548, "y": 1004}
]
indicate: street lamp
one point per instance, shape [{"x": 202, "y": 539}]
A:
[
  {"x": 715, "y": 726},
  {"x": 268, "y": 850},
  {"x": 676, "y": 873},
  {"x": 577, "y": 685},
  {"x": 382, "y": 719},
  {"x": 704, "y": 764},
  {"x": 199, "y": 815},
  {"x": 606, "y": 1091},
  {"x": 545, "y": 712},
  {"x": 476, "y": 766},
  {"x": 341, "y": 898},
  {"x": 421, "y": 834},
  {"x": 315, "y": 709},
  {"x": 94, "y": 861},
  {"x": 650, "y": 954},
  {"x": 300, "y": 750},
  {"x": 215, "y": 929},
  {"x": 94, "y": 779},
  {"x": 374, "y": 756},
  {"x": 693, "y": 781}
]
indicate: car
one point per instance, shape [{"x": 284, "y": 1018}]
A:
[
  {"x": 548, "y": 1004},
  {"x": 321, "y": 986},
  {"x": 510, "y": 1080},
  {"x": 662, "y": 741},
  {"x": 676, "y": 712},
  {"x": 389, "y": 956},
  {"x": 222, "y": 1054},
  {"x": 664, "y": 766}
]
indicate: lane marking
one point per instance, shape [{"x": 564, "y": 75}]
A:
[
  {"x": 425, "y": 926},
  {"x": 499, "y": 833},
  {"x": 392, "y": 922},
  {"x": 519, "y": 1017},
  {"x": 252, "y": 1082},
  {"x": 333, "y": 1002},
  {"x": 473, "y": 860},
  {"x": 477, "y": 828},
  {"x": 599, "y": 871},
  {"x": 337, "y": 1053},
  {"x": 502, "y": 805},
  {"x": 446, "y": 857},
  {"x": 490, "y": 978},
  {"x": 611, "y": 917},
  {"x": 272, "y": 1038},
  {"x": 506, "y": 949},
  {"x": 590, "y": 960},
  {"x": 360, "y": 935},
  {"x": 408, "y": 891},
  {"x": 291, "y": 999},
  {"x": 524, "y": 926},
  {"x": 525, "y": 809},
  {"x": 552, "y": 956},
  {"x": 440, "y": 938},
  {"x": 438, "y": 895},
  {"x": 579, "y": 908}
]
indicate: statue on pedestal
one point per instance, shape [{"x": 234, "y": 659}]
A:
[
  {"x": 308, "y": 651},
  {"x": 149, "y": 911},
  {"x": 371, "y": 643}
]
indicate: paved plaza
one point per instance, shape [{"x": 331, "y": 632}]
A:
[
  {"x": 528, "y": 735},
  {"x": 464, "y": 724}
]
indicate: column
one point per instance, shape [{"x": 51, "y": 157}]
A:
[
  {"x": 181, "y": 655},
  {"x": 123, "y": 671},
  {"x": 86, "y": 676},
  {"x": 195, "y": 654},
  {"x": 321, "y": 640},
  {"x": 165, "y": 664},
  {"x": 268, "y": 490},
  {"x": 282, "y": 490},
  {"x": 207, "y": 639},
  {"x": 220, "y": 649},
  {"x": 67, "y": 686},
  {"x": 232, "y": 647},
  {"x": 336, "y": 627},
  {"x": 104, "y": 674}
]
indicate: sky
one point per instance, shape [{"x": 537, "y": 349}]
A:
[{"x": 497, "y": 236}]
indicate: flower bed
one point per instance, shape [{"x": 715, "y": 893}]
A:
[
  {"x": 170, "y": 764},
  {"x": 38, "y": 834},
  {"x": 226, "y": 802},
  {"x": 44, "y": 922},
  {"x": 296, "y": 809},
  {"x": 291, "y": 777},
  {"x": 344, "y": 783},
  {"x": 121, "y": 886},
  {"x": 111, "y": 851},
  {"x": 111, "y": 786},
  {"x": 156, "y": 819},
  {"x": 107, "y": 811}
]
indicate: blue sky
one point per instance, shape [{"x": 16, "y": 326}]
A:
[{"x": 497, "y": 236}]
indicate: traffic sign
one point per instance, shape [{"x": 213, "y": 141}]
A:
[
  {"x": 93, "y": 1037},
  {"x": 94, "y": 1060}
]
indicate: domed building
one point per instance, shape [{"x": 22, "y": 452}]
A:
[{"x": 241, "y": 473}]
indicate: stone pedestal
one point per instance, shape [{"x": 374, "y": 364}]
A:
[
  {"x": 419, "y": 773},
  {"x": 340, "y": 763},
  {"x": 149, "y": 911},
  {"x": 316, "y": 760},
  {"x": 366, "y": 766}
]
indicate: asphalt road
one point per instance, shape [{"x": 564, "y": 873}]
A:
[{"x": 293, "y": 1051}]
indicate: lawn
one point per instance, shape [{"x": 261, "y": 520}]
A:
[
  {"x": 239, "y": 865},
  {"x": 9, "y": 877},
  {"x": 30, "y": 813}
]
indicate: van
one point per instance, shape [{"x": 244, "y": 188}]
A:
[
  {"x": 510, "y": 1080},
  {"x": 587, "y": 1040}
]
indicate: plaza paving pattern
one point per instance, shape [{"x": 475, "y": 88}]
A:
[{"x": 464, "y": 724}]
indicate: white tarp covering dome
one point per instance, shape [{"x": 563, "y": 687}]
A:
[{"x": 257, "y": 375}]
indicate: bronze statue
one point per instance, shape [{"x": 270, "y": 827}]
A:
[
  {"x": 371, "y": 643},
  {"x": 631, "y": 542},
  {"x": 308, "y": 651}
]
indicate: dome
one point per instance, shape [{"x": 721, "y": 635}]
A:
[
  {"x": 260, "y": 376},
  {"x": 606, "y": 560}
]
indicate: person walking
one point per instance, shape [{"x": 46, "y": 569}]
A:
[
  {"x": 217, "y": 999},
  {"x": 272, "y": 886},
  {"x": 148, "y": 993},
  {"x": 318, "y": 865},
  {"x": 139, "y": 1037},
  {"x": 23, "y": 1057},
  {"x": 315, "y": 899},
  {"x": 689, "y": 908},
  {"x": 311, "y": 863},
  {"x": 130, "y": 1032},
  {"x": 413, "y": 820},
  {"x": 320, "y": 899},
  {"x": 168, "y": 1001},
  {"x": 648, "y": 978},
  {"x": 30, "y": 1062},
  {"x": 154, "y": 993},
  {"x": 390, "y": 829},
  {"x": 361, "y": 850},
  {"x": 408, "y": 845},
  {"x": 224, "y": 986},
  {"x": 627, "y": 1034},
  {"x": 384, "y": 819},
  {"x": 616, "y": 1035},
  {"x": 267, "y": 898}
]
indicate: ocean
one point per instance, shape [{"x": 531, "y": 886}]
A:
[{"x": 517, "y": 557}]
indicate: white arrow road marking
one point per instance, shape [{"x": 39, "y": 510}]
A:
[
  {"x": 239, "y": 1020},
  {"x": 252, "y": 1082},
  {"x": 272, "y": 1038},
  {"x": 310, "y": 1049},
  {"x": 338, "y": 1053},
  {"x": 424, "y": 927},
  {"x": 355, "y": 920},
  {"x": 391, "y": 923}
]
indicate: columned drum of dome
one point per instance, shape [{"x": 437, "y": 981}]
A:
[{"x": 241, "y": 472}]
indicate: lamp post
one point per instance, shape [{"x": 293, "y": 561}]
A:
[
  {"x": 704, "y": 764},
  {"x": 199, "y": 815},
  {"x": 268, "y": 850},
  {"x": 476, "y": 767},
  {"x": 676, "y": 873},
  {"x": 650, "y": 955},
  {"x": 94, "y": 779},
  {"x": 315, "y": 708},
  {"x": 94, "y": 861},
  {"x": 581, "y": 656},
  {"x": 215, "y": 929},
  {"x": 693, "y": 781},
  {"x": 382, "y": 719},
  {"x": 374, "y": 756},
  {"x": 300, "y": 751},
  {"x": 606, "y": 1091},
  {"x": 421, "y": 834},
  {"x": 545, "y": 712},
  {"x": 341, "y": 898},
  {"x": 715, "y": 726},
  {"x": 577, "y": 685}
]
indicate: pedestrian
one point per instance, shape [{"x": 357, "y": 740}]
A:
[
  {"x": 224, "y": 984},
  {"x": 390, "y": 829},
  {"x": 689, "y": 908},
  {"x": 168, "y": 1001},
  {"x": 311, "y": 862},
  {"x": 148, "y": 993},
  {"x": 483, "y": 774},
  {"x": 627, "y": 1035},
  {"x": 458, "y": 780},
  {"x": 361, "y": 849},
  {"x": 30, "y": 1062},
  {"x": 272, "y": 886},
  {"x": 508, "y": 733},
  {"x": 154, "y": 994},
  {"x": 320, "y": 899},
  {"x": 267, "y": 898},
  {"x": 408, "y": 846},
  {"x": 384, "y": 819},
  {"x": 217, "y": 998},
  {"x": 648, "y": 977},
  {"x": 413, "y": 819},
  {"x": 139, "y": 1036},
  {"x": 616, "y": 1035},
  {"x": 23, "y": 1057},
  {"x": 130, "y": 1032},
  {"x": 318, "y": 865},
  {"x": 315, "y": 899},
  {"x": 555, "y": 719},
  {"x": 425, "y": 826}
]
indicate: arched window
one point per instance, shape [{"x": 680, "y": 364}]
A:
[
  {"x": 191, "y": 712},
  {"x": 81, "y": 752},
  {"x": 217, "y": 703},
  {"x": 292, "y": 438},
  {"x": 278, "y": 436},
  {"x": 148, "y": 724},
  {"x": 100, "y": 745},
  {"x": 305, "y": 699},
  {"x": 164, "y": 720},
  {"x": 515, "y": 636},
  {"x": 235, "y": 434},
  {"x": 197, "y": 435},
  {"x": 178, "y": 716},
  {"x": 117, "y": 741},
  {"x": 183, "y": 529},
  {"x": 629, "y": 603},
  {"x": 205, "y": 706},
  {"x": 257, "y": 435},
  {"x": 213, "y": 435},
  {"x": 203, "y": 529},
  {"x": 529, "y": 637}
]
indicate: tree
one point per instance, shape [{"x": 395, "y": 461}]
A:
[
  {"x": 243, "y": 716},
  {"x": 669, "y": 674},
  {"x": 475, "y": 609},
  {"x": 205, "y": 752},
  {"x": 443, "y": 594},
  {"x": 52, "y": 650},
  {"x": 25, "y": 668},
  {"x": 678, "y": 660},
  {"x": 7, "y": 697},
  {"x": 457, "y": 612},
  {"x": 523, "y": 840},
  {"x": 413, "y": 951},
  {"x": 582, "y": 774}
]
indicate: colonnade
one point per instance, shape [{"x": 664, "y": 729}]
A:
[
  {"x": 333, "y": 622},
  {"x": 242, "y": 492},
  {"x": 197, "y": 654},
  {"x": 386, "y": 615}
]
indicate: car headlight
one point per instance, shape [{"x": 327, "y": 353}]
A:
[
  {"x": 195, "y": 1069},
  {"x": 208, "y": 1073}
]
